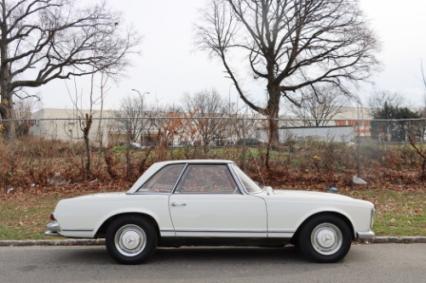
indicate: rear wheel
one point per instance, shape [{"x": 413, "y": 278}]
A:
[
  {"x": 131, "y": 240},
  {"x": 325, "y": 238}
]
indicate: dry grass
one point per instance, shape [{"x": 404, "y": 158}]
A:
[{"x": 24, "y": 216}]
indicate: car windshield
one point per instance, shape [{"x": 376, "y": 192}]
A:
[{"x": 248, "y": 183}]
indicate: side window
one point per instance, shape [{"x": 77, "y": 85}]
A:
[
  {"x": 207, "y": 179},
  {"x": 164, "y": 180}
]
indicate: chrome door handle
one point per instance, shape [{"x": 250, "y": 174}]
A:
[{"x": 178, "y": 204}]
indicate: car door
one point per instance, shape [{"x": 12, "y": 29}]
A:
[{"x": 208, "y": 202}]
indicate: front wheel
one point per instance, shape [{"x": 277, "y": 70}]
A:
[
  {"x": 131, "y": 240},
  {"x": 325, "y": 239}
]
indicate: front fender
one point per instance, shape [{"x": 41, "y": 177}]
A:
[{"x": 322, "y": 210}]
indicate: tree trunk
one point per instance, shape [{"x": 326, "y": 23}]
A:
[
  {"x": 273, "y": 137},
  {"x": 6, "y": 93},
  {"x": 6, "y": 104},
  {"x": 273, "y": 122},
  {"x": 109, "y": 161},
  {"x": 272, "y": 112},
  {"x": 7, "y": 113},
  {"x": 86, "y": 132},
  {"x": 129, "y": 167}
]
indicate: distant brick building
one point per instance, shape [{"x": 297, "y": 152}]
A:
[{"x": 358, "y": 118}]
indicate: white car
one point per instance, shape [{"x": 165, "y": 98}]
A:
[{"x": 210, "y": 202}]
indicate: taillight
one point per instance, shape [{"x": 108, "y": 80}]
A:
[{"x": 52, "y": 217}]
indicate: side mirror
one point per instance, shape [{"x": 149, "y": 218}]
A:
[{"x": 269, "y": 190}]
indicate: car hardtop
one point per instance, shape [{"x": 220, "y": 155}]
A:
[
  {"x": 159, "y": 165},
  {"x": 195, "y": 161}
]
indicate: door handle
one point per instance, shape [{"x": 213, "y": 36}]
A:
[{"x": 174, "y": 204}]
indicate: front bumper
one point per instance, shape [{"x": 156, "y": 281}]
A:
[
  {"x": 53, "y": 229},
  {"x": 365, "y": 236}
]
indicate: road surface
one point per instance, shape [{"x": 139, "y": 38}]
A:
[{"x": 365, "y": 263}]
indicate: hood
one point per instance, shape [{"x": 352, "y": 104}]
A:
[
  {"x": 308, "y": 196},
  {"x": 101, "y": 196}
]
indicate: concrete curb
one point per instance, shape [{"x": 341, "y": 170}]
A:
[
  {"x": 98, "y": 242},
  {"x": 399, "y": 240},
  {"x": 70, "y": 242}
]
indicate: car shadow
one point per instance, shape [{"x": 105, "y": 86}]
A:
[
  {"x": 199, "y": 255},
  {"x": 243, "y": 254}
]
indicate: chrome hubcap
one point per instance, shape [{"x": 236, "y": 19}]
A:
[
  {"x": 326, "y": 238},
  {"x": 130, "y": 240}
]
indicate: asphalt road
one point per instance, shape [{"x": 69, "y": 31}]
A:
[{"x": 365, "y": 263}]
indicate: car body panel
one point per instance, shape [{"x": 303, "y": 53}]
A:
[
  {"x": 287, "y": 210},
  {"x": 83, "y": 216},
  {"x": 268, "y": 214},
  {"x": 233, "y": 215}
]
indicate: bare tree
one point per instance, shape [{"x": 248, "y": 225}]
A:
[
  {"x": 392, "y": 118},
  {"x": 206, "y": 110},
  {"x": 383, "y": 98},
  {"x": 418, "y": 147},
  {"x": 417, "y": 134},
  {"x": 133, "y": 113},
  {"x": 423, "y": 74},
  {"x": 319, "y": 105},
  {"x": 103, "y": 91},
  {"x": 23, "y": 109},
  {"x": 46, "y": 40},
  {"x": 133, "y": 117},
  {"x": 84, "y": 113},
  {"x": 289, "y": 45},
  {"x": 169, "y": 127},
  {"x": 85, "y": 120}
]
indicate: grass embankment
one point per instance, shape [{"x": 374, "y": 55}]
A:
[{"x": 24, "y": 216}]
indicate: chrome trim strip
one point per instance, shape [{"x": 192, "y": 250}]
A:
[
  {"x": 280, "y": 235},
  {"x": 53, "y": 226},
  {"x": 77, "y": 230},
  {"x": 237, "y": 179},
  {"x": 52, "y": 229},
  {"x": 167, "y": 233},
  {"x": 218, "y": 231},
  {"x": 51, "y": 234},
  {"x": 179, "y": 178},
  {"x": 227, "y": 231}
]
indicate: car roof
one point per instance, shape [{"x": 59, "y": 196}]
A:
[
  {"x": 158, "y": 165},
  {"x": 195, "y": 161}
]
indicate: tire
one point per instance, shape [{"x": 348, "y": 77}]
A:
[
  {"x": 131, "y": 239},
  {"x": 325, "y": 239}
]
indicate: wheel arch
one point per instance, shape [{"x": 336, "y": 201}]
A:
[
  {"x": 322, "y": 213},
  {"x": 100, "y": 232}
]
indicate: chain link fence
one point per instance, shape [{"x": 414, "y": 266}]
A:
[
  {"x": 52, "y": 151},
  {"x": 212, "y": 131}
]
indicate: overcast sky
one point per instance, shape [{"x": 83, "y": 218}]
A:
[{"x": 170, "y": 64}]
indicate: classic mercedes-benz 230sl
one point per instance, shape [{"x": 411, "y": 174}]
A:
[{"x": 212, "y": 202}]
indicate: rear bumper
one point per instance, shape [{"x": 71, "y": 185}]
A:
[
  {"x": 53, "y": 229},
  {"x": 365, "y": 236}
]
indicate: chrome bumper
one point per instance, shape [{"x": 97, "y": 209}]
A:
[
  {"x": 53, "y": 229},
  {"x": 365, "y": 236}
]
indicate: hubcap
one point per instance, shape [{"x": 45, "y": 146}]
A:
[
  {"x": 326, "y": 238},
  {"x": 130, "y": 240}
]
